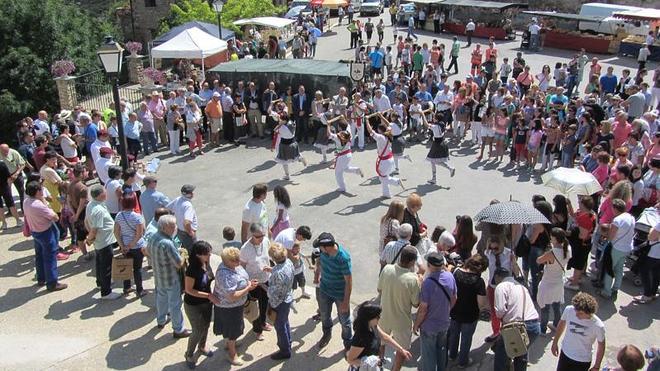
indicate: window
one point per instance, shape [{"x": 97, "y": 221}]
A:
[{"x": 150, "y": 3}]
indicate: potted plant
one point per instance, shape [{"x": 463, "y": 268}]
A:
[
  {"x": 62, "y": 68},
  {"x": 134, "y": 47},
  {"x": 154, "y": 76}
]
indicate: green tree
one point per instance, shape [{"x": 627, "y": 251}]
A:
[{"x": 33, "y": 34}]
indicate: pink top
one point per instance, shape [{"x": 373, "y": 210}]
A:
[
  {"x": 620, "y": 132},
  {"x": 601, "y": 174},
  {"x": 606, "y": 211},
  {"x": 37, "y": 214},
  {"x": 501, "y": 124}
]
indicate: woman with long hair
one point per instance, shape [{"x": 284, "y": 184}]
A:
[
  {"x": 560, "y": 212},
  {"x": 464, "y": 236},
  {"x": 368, "y": 337},
  {"x": 389, "y": 224},
  {"x": 283, "y": 201},
  {"x": 385, "y": 161},
  {"x": 544, "y": 78},
  {"x": 198, "y": 300},
  {"x": 551, "y": 287},
  {"x": 539, "y": 240}
]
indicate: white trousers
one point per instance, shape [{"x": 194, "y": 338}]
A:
[
  {"x": 460, "y": 129},
  {"x": 343, "y": 165},
  {"x": 360, "y": 134},
  {"x": 475, "y": 128},
  {"x": 655, "y": 97},
  {"x": 174, "y": 141}
]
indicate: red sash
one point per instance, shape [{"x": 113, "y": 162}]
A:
[
  {"x": 358, "y": 121},
  {"x": 344, "y": 152},
  {"x": 382, "y": 157}
]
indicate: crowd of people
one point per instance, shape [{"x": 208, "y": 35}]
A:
[{"x": 431, "y": 281}]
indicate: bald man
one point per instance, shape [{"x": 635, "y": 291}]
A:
[{"x": 15, "y": 164}]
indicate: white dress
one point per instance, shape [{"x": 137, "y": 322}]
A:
[{"x": 551, "y": 287}]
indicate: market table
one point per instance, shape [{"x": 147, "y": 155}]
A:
[
  {"x": 632, "y": 50},
  {"x": 571, "y": 41},
  {"x": 480, "y": 31}
]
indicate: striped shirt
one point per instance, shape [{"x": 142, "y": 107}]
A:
[
  {"x": 333, "y": 270},
  {"x": 165, "y": 257},
  {"x": 391, "y": 250}
]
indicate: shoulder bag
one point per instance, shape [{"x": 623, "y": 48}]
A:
[
  {"x": 251, "y": 309},
  {"x": 523, "y": 246},
  {"x": 514, "y": 334},
  {"x": 443, "y": 289},
  {"x": 390, "y": 236}
]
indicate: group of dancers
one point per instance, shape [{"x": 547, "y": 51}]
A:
[{"x": 341, "y": 123}]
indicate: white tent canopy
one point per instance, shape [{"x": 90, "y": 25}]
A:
[
  {"x": 192, "y": 43},
  {"x": 274, "y": 22}
]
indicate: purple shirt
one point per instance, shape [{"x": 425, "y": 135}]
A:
[{"x": 437, "y": 317}]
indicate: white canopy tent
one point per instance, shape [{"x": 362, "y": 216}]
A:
[{"x": 192, "y": 43}]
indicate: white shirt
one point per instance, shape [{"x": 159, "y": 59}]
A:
[
  {"x": 396, "y": 127},
  {"x": 41, "y": 127},
  {"x": 650, "y": 39},
  {"x": 287, "y": 237},
  {"x": 623, "y": 241},
  {"x": 391, "y": 250},
  {"x": 643, "y": 54},
  {"x": 112, "y": 200},
  {"x": 382, "y": 104},
  {"x": 580, "y": 335},
  {"x": 382, "y": 143},
  {"x": 255, "y": 259},
  {"x": 513, "y": 302},
  {"x": 102, "y": 164},
  {"x": 68, "y": 147},
  {"x": 254, "y": 212},
  {"x": 443, "y": 100},
  {"x": 95, "y": 148},
  {"x": 285, "y": 213},
  {"x": 183, "y": 210},
  {"x": 470, "y": 26},
  {"x": 534, "y": 29},
  {"x": 505, "y": 262},
  {"x": 655, "y": 249}
]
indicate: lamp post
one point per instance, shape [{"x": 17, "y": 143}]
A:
[
  {"x": 111, "y": 57},
  {"x": 217, "y": 6}
]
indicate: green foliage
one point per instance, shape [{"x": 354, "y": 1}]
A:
[
  {"x": 33, "y": 34},
  {"x": 239, "y": 9}
]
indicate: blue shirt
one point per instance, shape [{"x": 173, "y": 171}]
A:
[
  {"x": 423, "y": 96},
  {"x": 280, "y": 284},
  {"x": 90, "y": 135},
  {"x": 376, "y": 59},
  {"x": 333, "y": 270},
  {"x": 150, "y": 200},
  {"x": 132, "y": 129},
  {"x": 608, "y": 83},
  {"x": 437, "y": 317}
]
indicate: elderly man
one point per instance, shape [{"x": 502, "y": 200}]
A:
[
  {"x": 45, "y": 233},
  {"x": 301, "y": 107},
  {"x": 513, "y": 304},
  {"x": 166, "y": 261},
  {"x": 186, "y": 216},
  {"x": 437, "y": 296},
  {"x": 254, "y": 258},
  {"x": 15, "y": 164},
  {"x": 252, "y": 100},
  {"x": 101, "y": 226},
  {"x": 89, "y": 131},
  {"x": 214, "y": 113},
  {"x": 335, "y": 281},
  {"x": 381, "y": 101},
  {"x": 151, "y": 199},
  {"x": 399, "y": 289},
  {"x": 41, "y": 126},
  {"x": 227, "y": 103},
  {"x": 103, "y": 163},
  {"x": 148, "y": 131},
  {"x": 101, "y": 141},
  {"x": 158, "y": 110},
  {"x": 392, "y": 251}
]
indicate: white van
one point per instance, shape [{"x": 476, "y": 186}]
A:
[{"x": 609, "y": 25}]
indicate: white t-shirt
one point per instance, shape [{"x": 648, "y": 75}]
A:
[
  {"x": 102, "y": 165},
  {"x": 505, "y": 262},
  {"x": 654, "y": 252},
  {"x": 534, "y": 29},
  {"x": 470, "y": 26},
  {"x": 285, "y": 213},
  {"x": 112, "y": 201},
  {"x": 623, "y": 241},
  {"x": 183, "y": 210},
  {"x": 580, "y": 335},
  {"x": 382, "y": 104},
  {"x": 255, "y": 259},
  {"x": 69, "y": 147},
  {"x": 643, "y": 54},
  {"x": 443, "y": 100},
  {"x": 95, "y": 148},
  {"x": 254, "y": 212},
  {"x": 287, "y": 237}
]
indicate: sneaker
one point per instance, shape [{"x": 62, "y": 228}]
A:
[
  {"x": 279, "y": 356},
  {"x": 268, "y": 327},
  {"x": 325, "y": 340},
  {"x": 452, "y": 172},
  {"x": 286, "y": 177},
  {"x": 571, "y": 286},
  {"x": 111, "y": 296},
  {"x": 62, "y": 256}
]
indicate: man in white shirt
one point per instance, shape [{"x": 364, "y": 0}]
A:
[
  {"x": 381, "y": 101},
  {"x": 254, "y": 210},
  {"x": 41, "y": 126},
  {"x": 643, "y": 55},
  {"x": 513, "y": 304},
  {"x": 254, "y": 258},
  {"x": 102, "y": 140},
  {"x": 186, "y": 216},
  {"x": 622, "y": 231},
  {"x": 584, "y": 328},
  {"x": 469, "y": 31},
  {"x": 288, "y": 237},
  {"x": 534, "y": 35},
  {"x": 102, "y": 163}
]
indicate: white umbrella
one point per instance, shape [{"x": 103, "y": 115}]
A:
[{"x": 571, "y": 180}]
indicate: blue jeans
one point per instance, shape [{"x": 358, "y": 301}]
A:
[
  {"x": 461, "y": 333},
  {"x": 534, "y": 270},
  {"x": 433, "y": 350},
  {"x": 545, "y": 315},
  {"x": 282, "y": 328},
  {"x": 411, "y": 33},
  {"x": 519, "y": 363},
  {"x": 534, "y": 41},
  {"x": 618, "y": 258},
  {"x": 149, "y": 140},
  {"x": 168, "y": 299},
  {"x": 325, "y": 307},
  {"x": 571, "y": 83},
  {"x": 567, "y": 159},
  {"x": 45, "y": 249}
]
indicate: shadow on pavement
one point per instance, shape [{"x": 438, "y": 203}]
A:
[
  {"x": 322, "y": 200},
  {"x": 24, "y": 245},
  {"x": 264, "y": 166},
  {"x": 129, "y": 354},
  {"x": 362, "y": 208},
  {"x": 17, "y": 297},
  {"x": 17, "y": 267}
]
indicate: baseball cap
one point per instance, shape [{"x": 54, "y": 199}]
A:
[
  {"x": 105, "y": 151},
  {"x": 435, "y": 259},
  {"x": 324, "y": 239},
  {"x": 187, "y": 188}
]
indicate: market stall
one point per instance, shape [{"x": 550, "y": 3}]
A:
[
  {"x": 560, "y": 30},
  {"x": 491, "y": 18},
  {"x": 269, "y": 26},
  {"x": 193, "y": 44},
  {"x": 630, "y": 45}
]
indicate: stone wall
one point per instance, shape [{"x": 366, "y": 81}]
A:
[
  {"x": 572, "y": 6},
  {"x": 146, "y": 19}
]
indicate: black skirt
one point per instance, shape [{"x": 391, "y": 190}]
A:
[
  {"x": 398, "y": 144},
  {"x": 228, "y": 322},
  {"x": 322, "y": 137},
  {"x": 439, "y": 149},
  {"x": 287, "y": 150}
]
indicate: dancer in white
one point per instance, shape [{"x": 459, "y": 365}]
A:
[
  {"x": 385, "y": 161},
  {"x": 358, "y": 120},
  {"x": 416, "y": 119},
  {"x": 343, "y": 152},
  {"x": 398, "y": 143},
  {"x": 285, "y": 145},
  {"x": 322, "y": 141},
  {"x": 439, "y": 153}
]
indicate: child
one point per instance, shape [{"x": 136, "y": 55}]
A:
[
  {"x": 229, "y": 234},
  {"x": 439, "y": 153},
  {"x": 416, "y": 116},
  {"x": 297, "y": 258},
  {"x": 568, "y": 147},
  {"x": 520, "y": 135},
  {"x": 580, "y": 239},
  {"x": 534, "y": 143},
  {"x": 283, "y": 200}
]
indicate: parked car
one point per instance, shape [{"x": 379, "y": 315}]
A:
[
  {"x": 296, "y": 3},
  {"x": 371, "y": 7}
]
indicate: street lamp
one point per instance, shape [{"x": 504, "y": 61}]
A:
[
  {"x": 217, "y": 6},
  {"x": 111, "y": 56}
]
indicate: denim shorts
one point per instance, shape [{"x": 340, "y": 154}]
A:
[{"x": 499, "y": 137}]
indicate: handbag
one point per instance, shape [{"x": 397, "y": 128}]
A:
[
  {"x": 389, "y": 237},
  {"x": 514, "y": 335},
  {"x": 251, "y": 310},
  {"x": 523, "y": 246},
  {"x": 26, "y": 228},
  {"x": 271, "y": 314}
]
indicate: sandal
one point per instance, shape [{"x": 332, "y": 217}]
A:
[{"x": 235, "y": 362}]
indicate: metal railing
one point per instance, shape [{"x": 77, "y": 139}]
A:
[{"x": 93, "y": 91}]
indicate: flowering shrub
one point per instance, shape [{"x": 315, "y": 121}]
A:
[
  {"x": 62, "y": 68},
  {"x": 154, "y": 75},
  {"x": 134, "y": 47}
]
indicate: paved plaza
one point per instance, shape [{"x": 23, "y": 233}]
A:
[{"x": 73, "y": 330}]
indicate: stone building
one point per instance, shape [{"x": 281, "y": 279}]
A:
[{"x": 145, "y": 20}]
